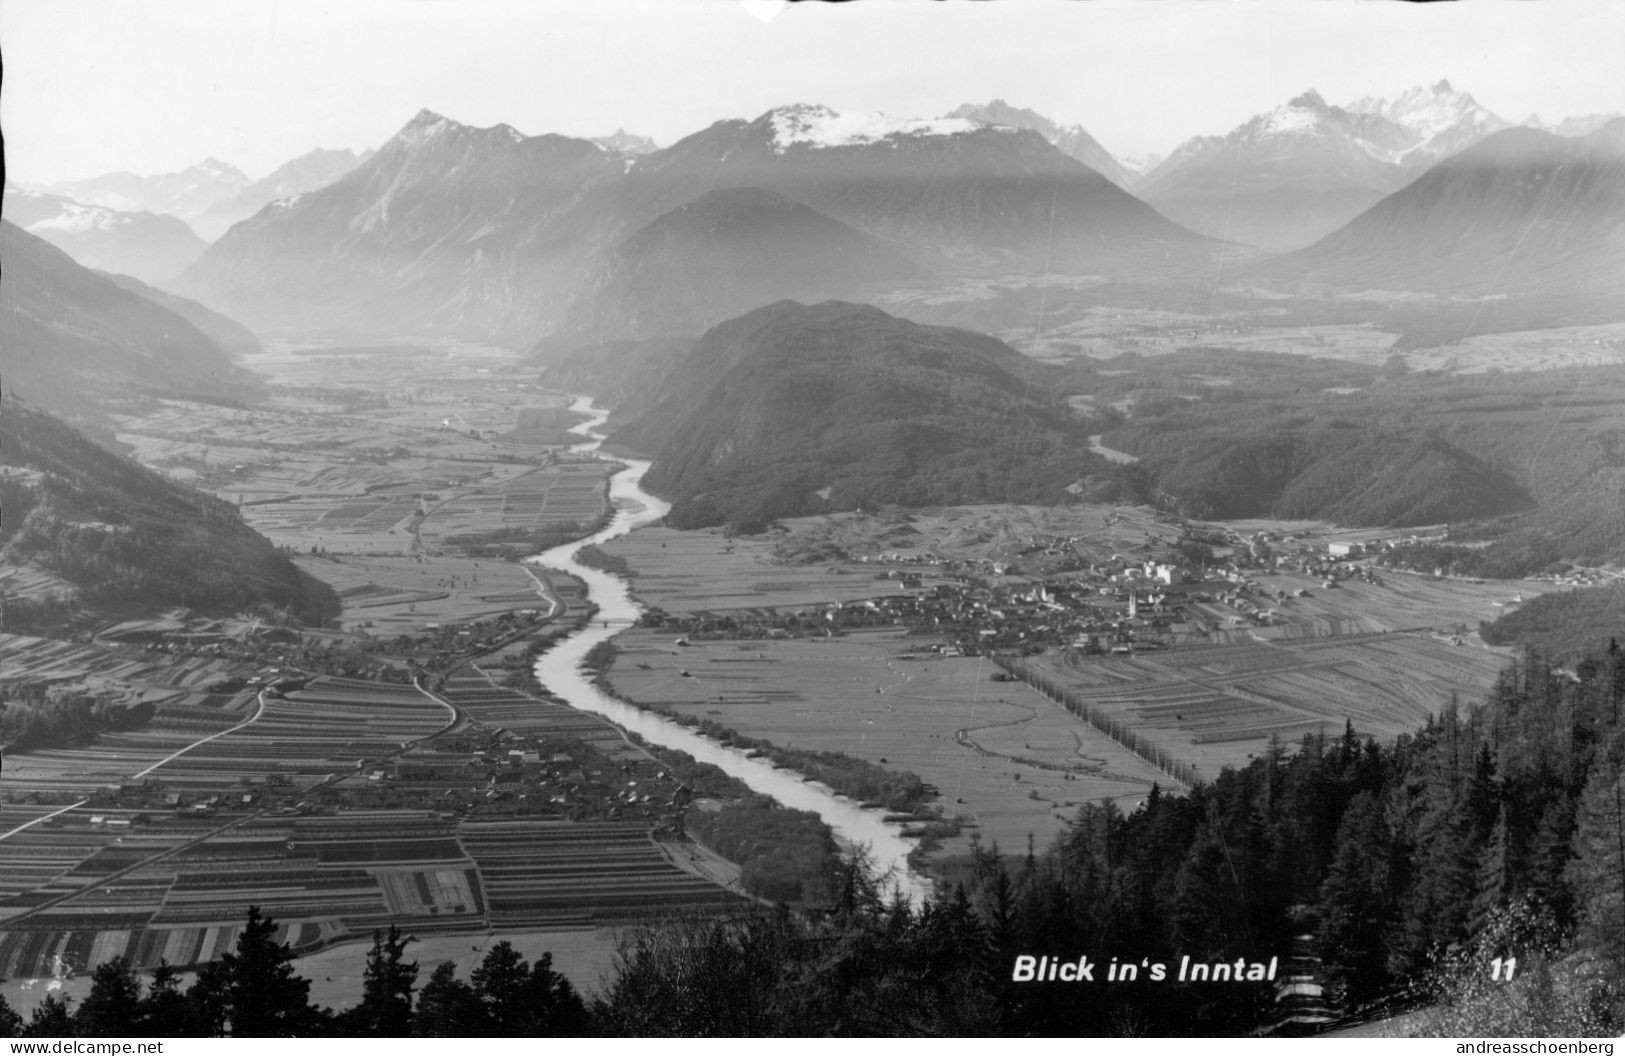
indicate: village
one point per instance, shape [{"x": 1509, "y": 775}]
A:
[{"x": 1056, "y": 594}]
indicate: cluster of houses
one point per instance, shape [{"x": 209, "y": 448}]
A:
[
  {"x": 1100, "y": 607},
  {"x": 510, "y": 773},
  {"x": 499, "y": 772}
]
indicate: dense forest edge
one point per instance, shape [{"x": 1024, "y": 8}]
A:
[{"x": 1396, "y": 877}]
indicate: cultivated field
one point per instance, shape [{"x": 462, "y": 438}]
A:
[
  {"x": 585, "y": 956},
  {"x": 1570, "y": 346},
  {"x": 1001, "y": 754},
  {"x": 380, "y": 451},
  {"x": 1217, "y": 706},
  {"x": 296, "y": 807},
  {"x": 400, "y": 595},
  {"x": 1383, "y": 656},
  {"x": 703, "y": 571}
]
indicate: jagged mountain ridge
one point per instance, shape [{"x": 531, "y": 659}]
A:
[
  {"x": 488, "y": 233},
  {"x": 1442, "y": 119},
  {"x": 1071, "y": 140},
  {"x": 188, "y": 194},
  {"x": 1283, "y": 178},
  {"x": 1286, "y": 178},
  {"x": 627, "y": 142},
  {"x": 446, "y": 228},
  {"x": 307, "y": 172},
  {"x": 147, "y": 245}
]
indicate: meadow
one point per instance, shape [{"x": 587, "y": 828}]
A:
[{"x": 1003, "y": 757}]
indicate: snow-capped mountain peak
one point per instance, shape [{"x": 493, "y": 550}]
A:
[
  {"x": 627, "y": 143},
  {"x": 1440, "y": 118},
  {"x": 425, "y": 126},
  {"x": 78, "y": 219},
  {"x": 814, "y": 126},
  {"x": 1430, "y": 109},
  {"x": 1300, "y": 116}
]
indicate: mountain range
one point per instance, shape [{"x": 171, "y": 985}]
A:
[
  {"x": 492, "y": 234},
  {"x": 188, "y": 194},
  {"x": 445, "y": 228},
  {"x": 1070, "y": 140},
  {"x": 304, "y": 173},
  {"x": 627, "y": 142},
  {"x": 150, "y": 246},
  {"x": 1288, "y": 177}
]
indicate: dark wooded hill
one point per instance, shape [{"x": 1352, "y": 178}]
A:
[
  {"x": 623, "y": 375},
  {"x": 1528, "y": 462},
  {"x": 126, "y": 536},
  {"x": 1564, "y": 625},
  {"x": 795, "y": 409}
]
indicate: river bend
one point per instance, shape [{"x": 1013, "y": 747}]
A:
[{"x": 560, "y": 670}]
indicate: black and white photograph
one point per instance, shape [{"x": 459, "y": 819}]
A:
[{"x": 747, "y": 518}]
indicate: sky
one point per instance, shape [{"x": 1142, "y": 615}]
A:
[{"x": 151, "y": 86}]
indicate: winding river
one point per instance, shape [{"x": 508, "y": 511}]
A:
[{"x": 559, "y": 669}]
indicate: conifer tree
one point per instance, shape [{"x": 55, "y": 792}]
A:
[
  {"x": 555, "y": 1009},
  {"x": 11, "y": 1024},
  {"x": 1355, "y": 900},
  {"x": 52, "y": 1018},
  {"x": 448, "y": 1007},
  {"x": 1597, "y": 873},
  {"x": 500, "y": 984},
  {"x": 113, "y": 1006},
  {"x": 165, "y": 1011},
  {"x": 386, "y": 999},
  {"x": 1496, "y": 884},
  {"x": 264, "y": 997}
]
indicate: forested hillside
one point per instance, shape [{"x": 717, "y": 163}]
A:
[
  {"x": 1560, "y": 625},
  {"x": 124, "y": 535},
  {"x": 795, "y": 409},
  {"x": 1532, "y": 461}
]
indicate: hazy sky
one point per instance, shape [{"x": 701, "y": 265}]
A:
[{"x": 155, "y": 85}]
